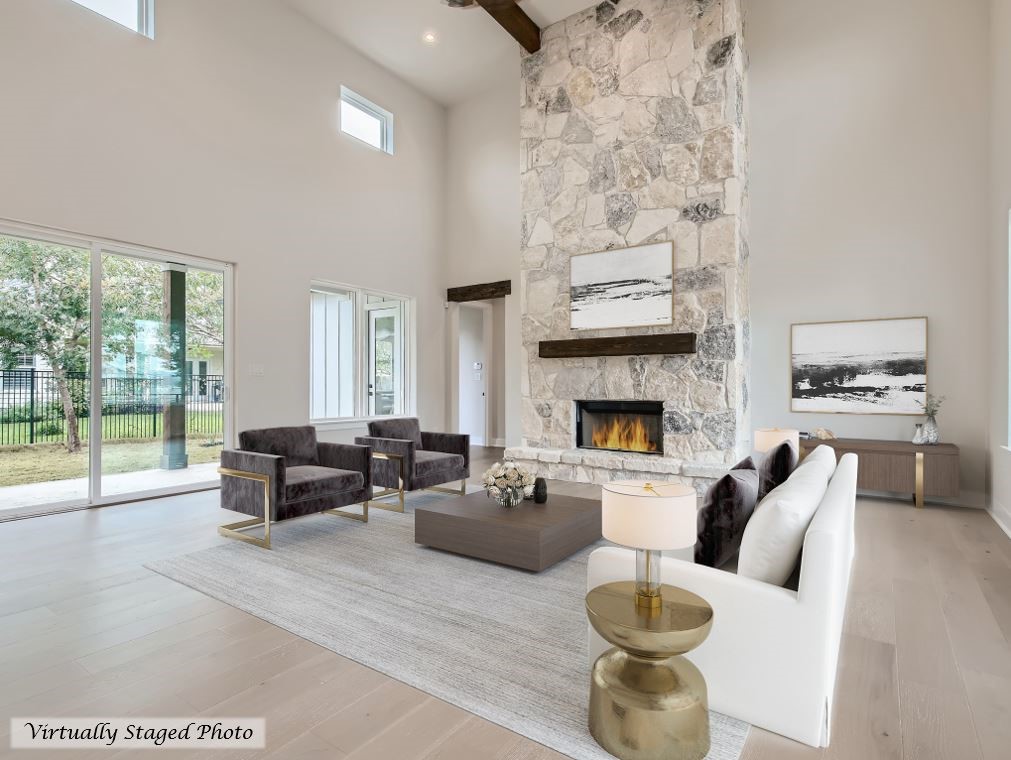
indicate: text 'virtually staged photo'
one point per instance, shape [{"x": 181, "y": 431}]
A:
[{"x": 866, "y": 367}]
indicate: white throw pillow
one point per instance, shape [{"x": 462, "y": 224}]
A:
[
  {"x": 775, "y": 533},
  {"x": 824, "y": 458}
]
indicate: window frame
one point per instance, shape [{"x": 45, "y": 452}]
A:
[
  {"x": 360, "y": 296},
  {"x": 365, "y": 105},
  {"x": 145, "y": 17}
]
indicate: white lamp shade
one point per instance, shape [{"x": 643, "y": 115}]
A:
[
  {"x": 767, "y": 439},
  {"x": 654, "y": 516}
]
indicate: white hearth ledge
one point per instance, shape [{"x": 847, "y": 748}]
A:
[{"x": 586, "y": 466}]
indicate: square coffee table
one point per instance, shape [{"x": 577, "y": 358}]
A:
[{"x": 529, "y": 536}]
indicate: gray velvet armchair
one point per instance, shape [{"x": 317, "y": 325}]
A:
[
  {"x": 404, "y": 458},
  {"x": 285, "y": 473}
]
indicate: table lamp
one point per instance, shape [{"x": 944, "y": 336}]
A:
[
  {"x": 766, "y": 439},
  {"x": 649, "y": 517}
]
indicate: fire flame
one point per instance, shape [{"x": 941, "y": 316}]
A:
[{"x": 622, "y": 432}]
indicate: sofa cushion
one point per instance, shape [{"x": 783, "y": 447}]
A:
[
  {"x": 428, "y": 462},
  {"x": 310, "y": 482},
  {"x": 405, "y": 428},
  {"x": 775, "y": 467},
  {"x": 296, "y": 444},
  {"x": 775, "y": 534},
  {"x": 726, "y": 509}
]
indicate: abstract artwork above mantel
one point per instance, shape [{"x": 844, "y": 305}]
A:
[
  {"x": 626, "y": 287},
  {"x": 862, "y": 367}
]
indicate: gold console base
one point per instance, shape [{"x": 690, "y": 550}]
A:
[{"x": 649, "y": 709}]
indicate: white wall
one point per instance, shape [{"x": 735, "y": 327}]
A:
[
  {"x": 869, "y": 195},
  {"x": 483, "y": 211},
  {"x": 219, "y": 139},
  {"x": 1000, "y": 190}
]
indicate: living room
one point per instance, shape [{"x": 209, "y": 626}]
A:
[{"x": 721, "y": 279}]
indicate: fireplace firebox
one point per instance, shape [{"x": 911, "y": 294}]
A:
[{"x": 632, "y": 426}]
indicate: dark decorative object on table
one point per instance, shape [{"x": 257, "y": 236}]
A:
[
  {"x": 726, "y": 509},
  {"x": 540, "y": 491},
  {"x": 776, "y": 467}
]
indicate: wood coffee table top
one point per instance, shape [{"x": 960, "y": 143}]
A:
[{"x": 529, "y": 536}]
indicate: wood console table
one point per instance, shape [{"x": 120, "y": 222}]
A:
[{"x": 899, "y": 466}]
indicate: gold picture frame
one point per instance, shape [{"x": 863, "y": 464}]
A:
[
  {"x": 926, "y": 365},
  {"x": 673, "y": 269}
]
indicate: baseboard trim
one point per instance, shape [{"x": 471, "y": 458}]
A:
[
  {"x": 1002, "y": 516},
  {"x": 497, "y": 442}
]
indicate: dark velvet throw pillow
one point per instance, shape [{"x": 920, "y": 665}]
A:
[
  {"x": 775, "y": 468},
  {"x": 725, "y": 512}
]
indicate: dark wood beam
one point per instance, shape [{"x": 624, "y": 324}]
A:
[
  {"x": 514, "y": 20},
  {"x": 626, "y": 345},
  {"x": 480, "y": 292}
]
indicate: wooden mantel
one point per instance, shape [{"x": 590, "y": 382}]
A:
[
  {"x": 625, "y": 345},
  {"x": 482, "y": 292}
]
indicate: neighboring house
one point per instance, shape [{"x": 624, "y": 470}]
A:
[{"x": 206, "y": 369}]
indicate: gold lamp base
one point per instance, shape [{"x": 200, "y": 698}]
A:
[
  {"x": 642, "y": 709},
  {"x": 648, "y": 601}
]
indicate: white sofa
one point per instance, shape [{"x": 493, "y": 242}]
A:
[{"x": 771, "y": 657}]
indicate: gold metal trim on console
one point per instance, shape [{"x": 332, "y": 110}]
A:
[{"x": 918, "y": 493}]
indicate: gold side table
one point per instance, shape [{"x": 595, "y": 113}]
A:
[{"x": 647, "y": 702}]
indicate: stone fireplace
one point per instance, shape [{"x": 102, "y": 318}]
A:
[{"x": 633, "y": 132}]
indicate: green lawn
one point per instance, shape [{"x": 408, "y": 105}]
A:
[
  {"x": 44, "y": 462},
  {"x": 114, "y": 427}
]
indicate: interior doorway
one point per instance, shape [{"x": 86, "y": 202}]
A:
[
  {"x": 475, "y": 364},
  {"x": 482, "y": 380}
]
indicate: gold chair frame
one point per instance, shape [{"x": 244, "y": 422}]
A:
[
  {"x": 399, "y": 491},
  {"x": 234, "y": 530}
]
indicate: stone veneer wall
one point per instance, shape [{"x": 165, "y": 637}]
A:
[{"x": 633, "y": 131}]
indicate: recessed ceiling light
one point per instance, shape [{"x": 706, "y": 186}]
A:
[{"x": 430, "y": 38}]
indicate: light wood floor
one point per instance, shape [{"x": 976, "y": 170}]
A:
[{"x": 85, "y": 630}]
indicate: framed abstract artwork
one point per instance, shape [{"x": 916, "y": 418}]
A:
[
  {"x": 628, "y": 287},
  {"x": 876, "y": 366}
]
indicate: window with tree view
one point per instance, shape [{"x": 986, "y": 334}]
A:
[
  {"x": 149, "y": 416},
  {"x": 358, "y": 357}
]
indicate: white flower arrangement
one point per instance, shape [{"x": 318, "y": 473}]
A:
[{"x": 508, "y": 483}]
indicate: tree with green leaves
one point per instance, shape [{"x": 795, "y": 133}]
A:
[{"x": 45, "y": 311}]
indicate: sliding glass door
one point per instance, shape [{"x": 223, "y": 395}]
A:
[
  {"x": 45, "y": 378},
  {"x": 162, "y": 374},
  {"x": 142, "y": 409}
]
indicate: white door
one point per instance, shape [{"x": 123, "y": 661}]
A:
[
  {"x": 473, "y": 374},
  {"x": 386, "y": 353}
]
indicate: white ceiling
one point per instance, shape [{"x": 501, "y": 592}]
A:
[{"x": 472, "y": 49}]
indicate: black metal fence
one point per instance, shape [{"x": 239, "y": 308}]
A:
[{"x": 32, "y": 410}]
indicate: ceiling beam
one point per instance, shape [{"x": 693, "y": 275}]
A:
[{"x": 514, "y": 20}]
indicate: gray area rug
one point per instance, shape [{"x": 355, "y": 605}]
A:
[{"x": 505, "y": 644}]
